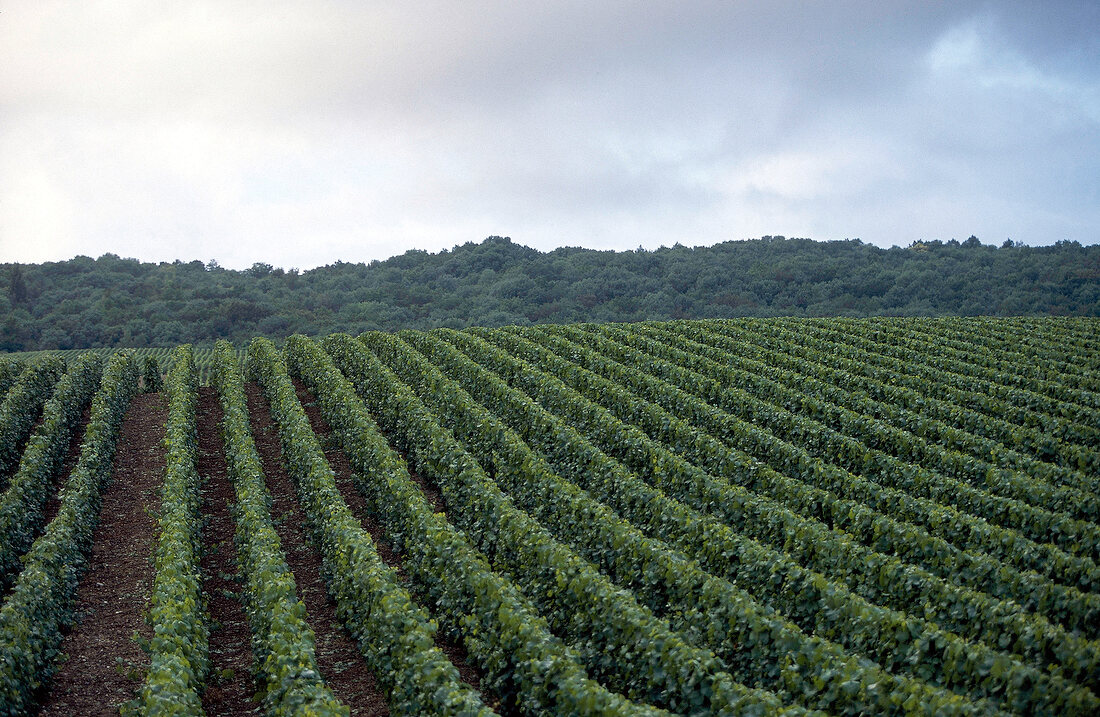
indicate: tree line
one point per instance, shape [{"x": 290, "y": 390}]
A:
[{"x": 119, "y": 302}]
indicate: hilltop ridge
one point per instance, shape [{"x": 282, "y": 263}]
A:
[{"x": 114, "y": 302}]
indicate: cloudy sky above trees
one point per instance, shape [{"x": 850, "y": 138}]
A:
[{"x": 308, "y": 132}]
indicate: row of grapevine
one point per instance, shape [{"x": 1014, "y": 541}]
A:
[
  {"x": 179, "y": 649},
  {"x": 877, "y": 576},
  {"x": 40, "y": 605},
  {"x": 891, "y": 638},
  {"x": 10, "y": 368},
  {"x": 575, "y": 598},
  {"x": 526, "y": 665},
  {"x": 395, "y": 635},
  {"x": 21, "y": 505},
  {"x": 21, "y": 407},
  {"x": 282, "y": 641},
  {"x": 759, "y": 647}
]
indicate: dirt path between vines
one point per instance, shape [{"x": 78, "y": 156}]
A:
[
  {"x": 454, "y": 651},
  {"x": 229, "y": 686},
  {"x": 103, "y": 663},
  {"x": 342, "y": 666}
]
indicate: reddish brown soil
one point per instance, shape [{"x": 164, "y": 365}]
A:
[
  {"x": 104, "y": 664},
  {"x": 429, "y": 489},
  {"x": 343, "y": 473},
  {"x": 454, "y": 651},
  {"x": 342, "y": 665},
  {"x": 229, "y": 687}
]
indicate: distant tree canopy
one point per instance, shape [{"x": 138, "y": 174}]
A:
[{"x": 111, "y": 301}]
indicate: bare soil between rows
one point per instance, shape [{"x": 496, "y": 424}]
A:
[
  {"x": 342, "y": 469},
  {"x": 103, "y": 662},
  {"x": 342, "y": 666},
  {"x": 230, "y": 688}
]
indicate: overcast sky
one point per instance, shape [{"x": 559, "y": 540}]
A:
[{"x": 302, "y": 133}]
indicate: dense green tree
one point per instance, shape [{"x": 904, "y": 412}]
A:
[
  {"x": 113, "y": 301},
  {"x": 17, "y": 285}
]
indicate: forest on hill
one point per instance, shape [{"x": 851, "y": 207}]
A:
[{"x": 119, "y": 302}]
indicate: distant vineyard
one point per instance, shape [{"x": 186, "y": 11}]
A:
[
  {"x": 202, "y": 359},
  {"x": 767, "y": 517}
]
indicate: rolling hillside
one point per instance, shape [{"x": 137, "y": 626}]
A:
[{"x": 764, "y": 516}]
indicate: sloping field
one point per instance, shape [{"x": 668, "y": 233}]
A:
[{"x": 826, "y": 516}]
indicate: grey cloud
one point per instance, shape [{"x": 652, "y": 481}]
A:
[{"x": 302, "y": 134}]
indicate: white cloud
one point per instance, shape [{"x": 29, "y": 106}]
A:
[
  {"x": 36, "y": 215},
  {"x": 301, "y": 134}
]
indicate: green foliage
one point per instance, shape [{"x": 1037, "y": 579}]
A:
[
  {"x": 576, "y": 599},
  {"x": 201, "y": 358},
  {"x": 722, "y": 474},
  {"x": 904, "y": 401},
  {"x": 812, "y": 415},
  {"x": 725, "y": 516},
  {"x": 10, "y": 368},
  {"x": 113, "y": 302},
  {"x": 758, "y": 646},
  {"x": 21, "y": 505},
  {"x": 282, "y": 641},
  {"x": 20, "y": 409},
  {"x": 524, "y": 662},
  {"x": 822, "y": 490},
  {"x": 41, "y": 603},
  {"x": 17, "y": 285},
  {"x": 758, "y": 516},
  {"x": 976, "y": 361},
  {"x": 969, "y": 385},
  {"x": 151, "y": 380},
  {"x": 394, "y": 634},
  {"x": 179, "y": 648}
]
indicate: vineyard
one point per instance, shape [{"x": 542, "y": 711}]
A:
[{"x": 721, "y": 517}]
